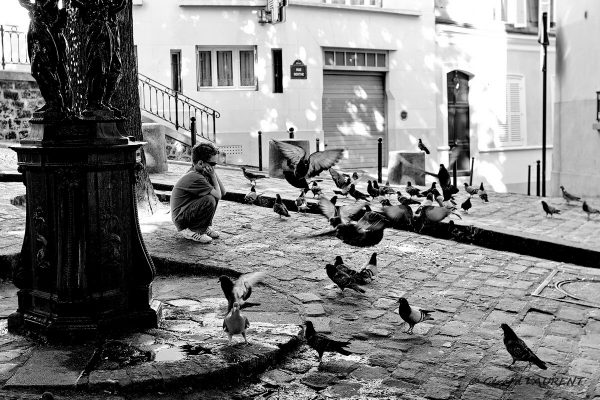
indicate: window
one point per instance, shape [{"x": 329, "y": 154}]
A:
[
  {"x": 176, "y": 70},
  {"x": 527, "y": 13},
  {"x": 512, "y": 128},
  {"x": 355, "y": 59},
  {"x": 225, "y": 68},
  {"x": 277, "y": 71}
]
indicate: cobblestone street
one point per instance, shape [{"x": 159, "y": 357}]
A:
[{"x": 458, "y": 355}]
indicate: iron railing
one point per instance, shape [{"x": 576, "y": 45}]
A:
[
  {"x": 13, "y": 46},
  {"x": 176, "y": 108}
]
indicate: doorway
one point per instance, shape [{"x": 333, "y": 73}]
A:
[
  {"x": 176, "y": 70},
  {"x": 458, "y": 119}
]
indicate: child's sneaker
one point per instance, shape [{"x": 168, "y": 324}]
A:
[
  {"x": 212, "y": 233},
  {"x": 195, "y": 236}
]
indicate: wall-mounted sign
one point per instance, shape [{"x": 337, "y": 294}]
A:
[{"x": 298, "y": 70}]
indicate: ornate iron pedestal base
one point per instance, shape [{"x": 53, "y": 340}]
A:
[{"x": 84, "y": 267}]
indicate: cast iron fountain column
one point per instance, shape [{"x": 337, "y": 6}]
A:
[{"x": 84, "y": 268}]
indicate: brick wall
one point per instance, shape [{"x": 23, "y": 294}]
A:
[{"x": 19, "y": 97}]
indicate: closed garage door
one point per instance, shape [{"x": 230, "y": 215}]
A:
[{"x": 354, "y": 116}]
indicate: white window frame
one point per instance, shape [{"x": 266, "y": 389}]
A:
[
  {"x": 355, "y": 53},
  {"x": 235, "y": 61},
  {"x": 506, "y": 128}
]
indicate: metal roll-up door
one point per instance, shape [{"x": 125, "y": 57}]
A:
[{"x": 354, "y": 116}]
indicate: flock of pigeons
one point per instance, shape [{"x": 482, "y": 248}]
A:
[
  {"x": 358, "y": 225},
  {"x": 550, "y": 210}
]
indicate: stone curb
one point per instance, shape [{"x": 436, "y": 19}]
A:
[{"x": 491, "y": 238}]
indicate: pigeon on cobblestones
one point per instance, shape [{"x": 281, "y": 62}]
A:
[
  {"x": 280, "y": 208},
  {"x": 433, "y": 190},
  {"x": 589, "y": 210},
  {"x": 301, "y": 203},
  {"x": 466, "y": 205},
  {"x": 386, "y": 190},
  {"x": 412, "y": 191},
  {"x": 340, "y": 214},
  {"x": 422, "y": 147},
  {"x": 252, "y": 177},
  {"x": 406, "y": 201},
  {"x": 549, "y": 210},
  {"x": 482, "y": 193},
  {"x": 251, "y": 197},
  {"x": 340, "y": 179},
  {"x": 307, "y": 166},
  {"x": 412, "y": 315},
  {"x": 342, "y": 279},
  {"x": 322, "y": 343},
  {"x": 371, "y": 190},
  {"x": 443, "y": 176},
  {"x": 358, "y": 195},
  {"x": 368, "y": 231},
  {"x": 470, "y": 189},
  {"x": 315, "y": 189},
  {"x": 568, "y": 196},
  {"x": 518, "y": 350},
  {"x": 241, "y": 290},
  {"x": 235, "y": 323},
  {"x": 362, "y": 277},
  {"x": 449, "y": 192}
]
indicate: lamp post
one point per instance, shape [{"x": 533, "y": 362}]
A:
[{"x": 543, "y": 40}]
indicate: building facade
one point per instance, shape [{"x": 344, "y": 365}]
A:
[{"x": 576, "y": 160}]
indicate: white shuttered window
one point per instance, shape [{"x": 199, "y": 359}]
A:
[{"x": 512, "y": 129}]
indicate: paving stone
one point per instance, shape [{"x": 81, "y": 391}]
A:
[
  {"x": 386, "y": 360},
  {"x": 572, "y": 314},
  {"x": 366, "y": 373},
  {"x": 529, "y": 392},
  {"x": 321, "y": 324},
  {"x": 590, "y": 341},
  {"x": 58, "y": 367},
  {"x": 584, "y": 367},
  {"x": 440, "y": 388},
  {"x": 340, "y": 368},
  {"x": 373, "y": 314},
  {"x": 564, "y": 329},
  {"x": 454, "y": 328},
  {"x": 345, "y": 390},
  {"x": 386, "y": 303},
  {"x": 537, "y": 318},
  {"x": 319, "y": 380},
  {"x": 479, "y": 391},
  {"x": 510, "y": 305},
  {"x": 277, "y": 377},
  {"x": 307, "y": 297},
  {"x": 314, "y": 310}
]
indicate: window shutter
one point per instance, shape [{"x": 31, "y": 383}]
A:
[{"x": 512, "y": 131}]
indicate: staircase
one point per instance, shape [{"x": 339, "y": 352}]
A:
[{"x": 181, "y": 112}]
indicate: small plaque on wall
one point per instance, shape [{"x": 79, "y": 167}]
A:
[{"x": 298, "y": 70}]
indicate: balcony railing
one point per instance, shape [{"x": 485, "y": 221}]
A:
[{"x": 13, "y": 46}]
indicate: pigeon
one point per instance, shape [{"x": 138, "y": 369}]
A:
[
  {"x": 413, "y": 191},
  {"x": 568, "y": 196},
  {"x": 241, "y": 290},
  {"x": 322, "y": 343},
  {"x": 340, "y": 214},
  {"x": 342, "y": 279},
  {"x": 518, "y": 350},
  {"x": 307, "y": 166},
  {"x": 371, "y": 190},
  {"x": 449, "y": 192},
  {"x": 251, "y": 197},
  {"x": 358, "y": 195},
  {"x": 340, "y": 180},
  {"x": 397, "y": 215},
  {"x": 386, "y": 190},
  {"x": 301, "y": 203},
  {"x": 235, "y": 323},
  {"x": 252, "y": 177},
  {"x": 589, "y": 210},
  {"x": 434, "y": 214},
  {"x": 412, "y": 315},
  {"x": 433, "y": 190},
  {"x": 315, "y": 189},
  {"x": 406, "y": 201},
  {"x": 443, "y": 177},
  {"x": 549, "y": 210},
  {"x": 367, "y": 231},
  {"x": 422, "y": 147},
  {"x": 466, "y": 205},
  {"x": 470, "y": 189},
  {"x": 280, "y": 208},
  {"x": 482, "y": 193},
  {"x": 344, "y": 190},
  {"x": 355, "y": 176},
  {"x": 368, "y": 271}
]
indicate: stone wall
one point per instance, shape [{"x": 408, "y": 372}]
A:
[{"x": 19, "y": 97}]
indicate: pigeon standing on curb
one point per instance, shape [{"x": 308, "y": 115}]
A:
[
  {"x": 251, "y": 197},
  {"x": 549, "y": 210},
  {"x": 466, "y": 205},
  {"x": 412, "y": 315},
  {"x": 589, "y": 210},
  {"x": 518, "y": 350},
  {"x": 568, "y": 196},
  {"x": 280, "y": 208},
  {"x": 252, "y": 177},
  {"x": 470, "y": 189},
  {"x": 422, "y": 147},
  {"x": 342, "y": 279},
  {"x": 235, "y": 323},
  {"x": 322, "y": 343}
]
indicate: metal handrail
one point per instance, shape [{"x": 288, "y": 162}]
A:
[
  {"x": 177, "y": 108},
  {"x": 13, "y": 46}
]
